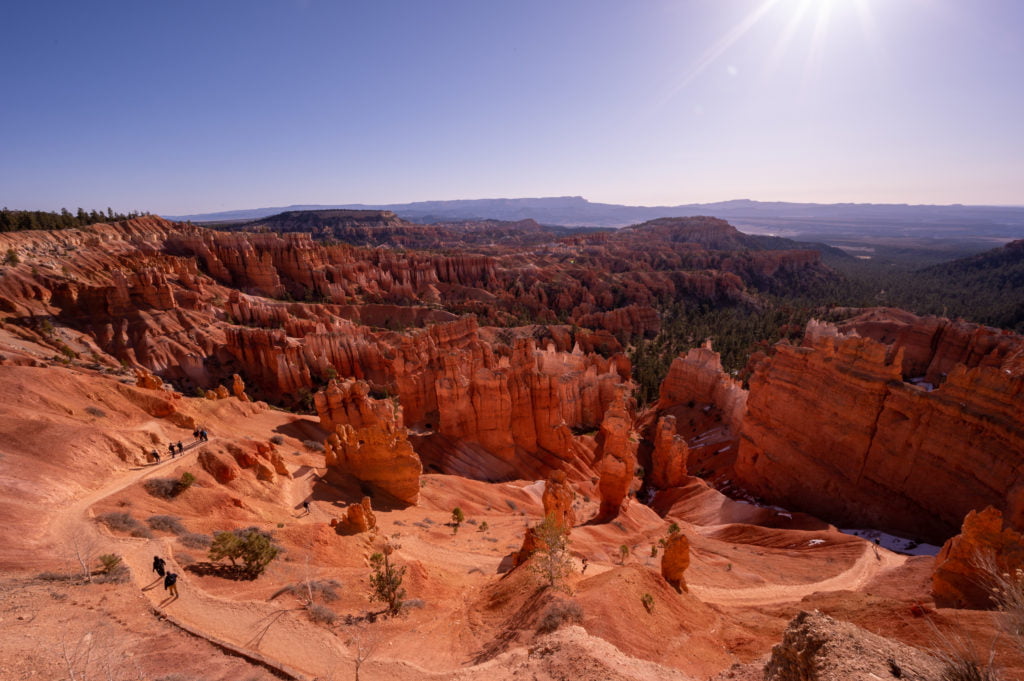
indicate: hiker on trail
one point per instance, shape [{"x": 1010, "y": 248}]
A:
[
  {"x": 172, "y": 450},
  {"x": 171, "y": 583},
  {"x": 195, "y": 434},
  {"x": 181, "y": 448},
  {"x": 156, "y": 456},
  {"x": 158, "y": 565},
  {"x": 305, "y": 507},
  {"x": 203, "y": 436}
]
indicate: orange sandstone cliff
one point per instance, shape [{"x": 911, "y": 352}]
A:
[{"x": 833, "y": 427}]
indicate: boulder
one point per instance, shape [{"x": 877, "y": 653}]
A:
[
  {"x": 222, "y": 468},
  {"x": 238, "y": 388},
  {"x": 145, "y": 379},
  {"x": 816, "y": 647},
  {"x": 358, "y": 518}
]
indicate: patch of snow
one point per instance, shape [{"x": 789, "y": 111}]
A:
[
  {"x": 908, "y": 547},
  {"x": 724, "y": 449},
  {"x": 815, "y": 542},
  {"x": 921, "y": 383},
  {"x": 784, "y": 515}
]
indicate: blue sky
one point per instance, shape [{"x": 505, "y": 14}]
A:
[{"x": 195, "y": 106}]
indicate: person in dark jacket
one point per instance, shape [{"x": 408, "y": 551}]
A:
[
  {"x": 158, "y": 565},
  {"x": 171, "y": 583}
]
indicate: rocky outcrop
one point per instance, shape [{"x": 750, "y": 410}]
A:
[
  {"x": 816, "y": 647},
  {"x": 675, "y": 559},
  {"x": 144, "y": 379},
  {"x": 531, "y": 544},
  {"x": 617, "y": 448},
  {"x": 833, "y": 429},
  {"x": 221, "y": 467},
  {"x": 698, "y": 377},
  {"x": 558, "y": 500},
  {"x": 968, "y": 563},
  {"x": 668, "y": 460},
  {"x": 632, "y": 320},
  {"x": 358, "y": 518},
  {"x": 197, "y": 307},
  {"x": 373, "y": 446},
  {"x": 238, "y": 388}
]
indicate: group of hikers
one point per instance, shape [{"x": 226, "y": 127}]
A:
[
  {"x": 170, "y": 578},
  {"x": 176, "y": 448}
]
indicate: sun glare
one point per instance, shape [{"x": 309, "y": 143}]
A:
[{"x": 805, "y": 25}]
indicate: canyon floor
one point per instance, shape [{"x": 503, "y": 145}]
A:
[{"x": 73, "y": 437}]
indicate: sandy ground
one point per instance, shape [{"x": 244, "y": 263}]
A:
[{"x": 470, "y": 617}]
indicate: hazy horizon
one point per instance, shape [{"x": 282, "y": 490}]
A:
[{"x": 196, "y": 108}]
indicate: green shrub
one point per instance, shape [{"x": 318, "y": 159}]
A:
[
  {"x": 458, "y": 517},
  {"x": 552, "y": 560},
  {"x": 253, "y": 547},
  {"x": 648, "y": 601},
  {"x": 386, "y": 581},
  {"x": 114, "y": 570}
]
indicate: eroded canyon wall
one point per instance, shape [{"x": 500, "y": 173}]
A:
[{"x": 833, "y": 428}]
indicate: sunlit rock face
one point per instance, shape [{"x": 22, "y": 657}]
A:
[
  {"x": 967, "y": 563},
  {"x": 833, "y": 428}
]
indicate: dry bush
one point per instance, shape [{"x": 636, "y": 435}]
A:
[
  {"x": 195, "y": 541},
  {"x": 559, "y": 613},
  {"x": 320, "y": 614},
  {"x": 325, "y": 590},
  {"x": 163, "y": 488},
  {"x": 1007, "y": 591},
  {"x": 960, "y": 657},
  {"x": 95, "y": 411},
  {"x": 167, "y": 523},
  {"x": 53, "y": 577},
  {"x": 124, "y": 522},
  {"x": 313, "y": 445},
  {"x": 277, "y": 439},
  {"x": 119, "y": 574}
]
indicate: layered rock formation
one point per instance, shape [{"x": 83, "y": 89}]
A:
[
  {"x": 832, "y": 428},
  {"x": 971, "y": 564},
  {"x": 216, "y": 311},
  {"x": 373, "y": 446},
  {"x": 698, "y": 377}
]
